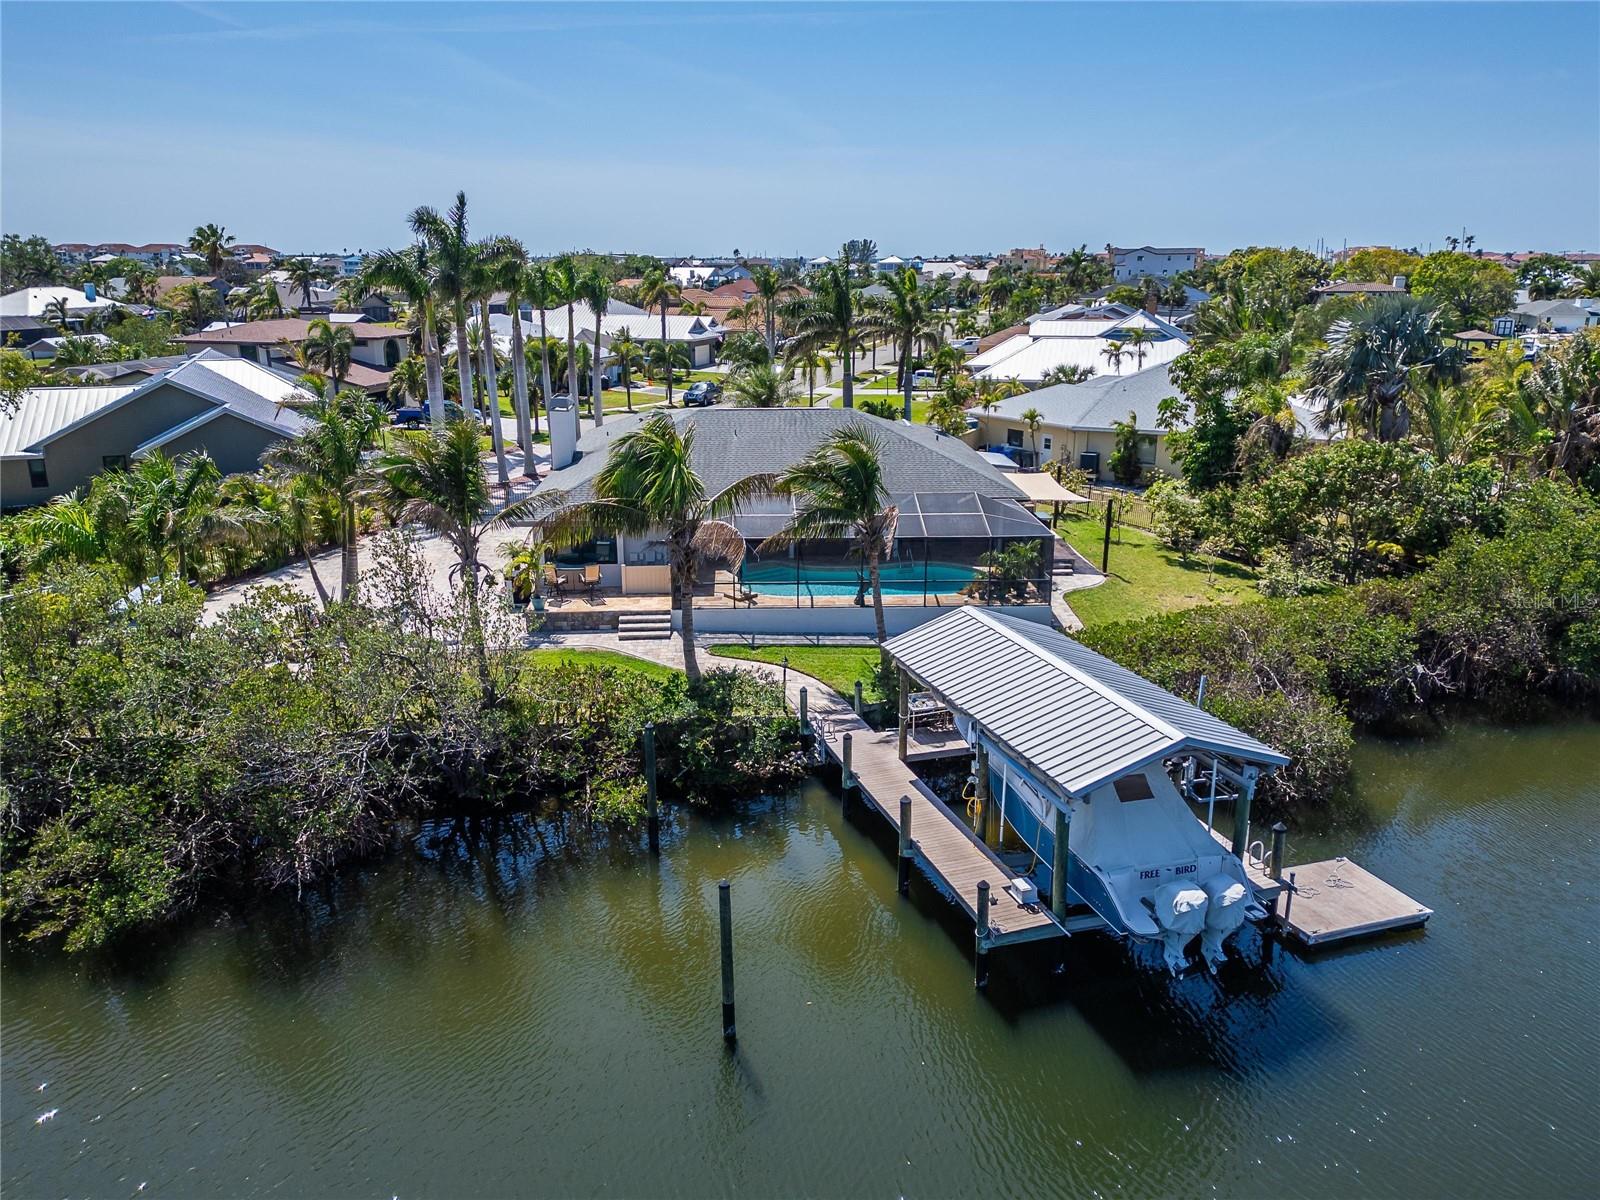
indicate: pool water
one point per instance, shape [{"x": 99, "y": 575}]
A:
[{"x": 896, "y": 578}]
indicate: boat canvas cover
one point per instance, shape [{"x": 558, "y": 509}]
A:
[{"x": 1073, "y": 717}]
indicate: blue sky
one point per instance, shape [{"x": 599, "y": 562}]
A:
[{"x": 787, "y": 128}]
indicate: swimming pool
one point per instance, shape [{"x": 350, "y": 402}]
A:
[{"x": 896, "y": 578}]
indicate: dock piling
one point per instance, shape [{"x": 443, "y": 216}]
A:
[
  {"x": 1280, "y": 835},
  {"x": 980, "y": 958},
  {"x": 725, "y": 914},
  {"x": 1241, "y": 814},
  {"x": 858, "y": 698},
  {"x": 985, "y": 816},
  {"x": 652, "y": 810},
  {"x": 903, "y": 877},
  {"x": 805, "y": 722},
  {"x": 905, "y": 711},
  {"x": 1288, "y": 899},
  {"x": 847, "y": 777},
  {"x": 1058, "y": 867}
]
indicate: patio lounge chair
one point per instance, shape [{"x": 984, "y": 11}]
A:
[
  {"x": 591, "y": 579},
  {"x": 740, "y": 594}
]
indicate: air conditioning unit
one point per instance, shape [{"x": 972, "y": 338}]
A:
[{"x": 1023, "y": 891}]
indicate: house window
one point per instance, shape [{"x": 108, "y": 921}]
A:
[
  {"x": 251, "y": 353},
  {"x": 114, "y": 462},
  {"x": 36, "y": 473},
  {"x": 1147, "y": 448},
  {"x": 1013, "y": 437},
  {"x": 602, "y": 550},
  {"x": 1046, "y": 442}
]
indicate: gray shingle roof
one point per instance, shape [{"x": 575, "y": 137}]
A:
[
  {"x": 1100, "y": 402},
  {"x": 731, "y": 443}
]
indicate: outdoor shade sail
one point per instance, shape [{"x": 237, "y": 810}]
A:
[
  {"x": 1073, "y": 717},
  {"x": 922, "y": 515},
  {"x": 1043, "y": 489}
]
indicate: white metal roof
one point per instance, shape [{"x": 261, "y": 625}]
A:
[
  {"x": 1034, "y": 358},
  {"x": 1074, "y": 717},
  {"x": 32, "y": 302},
  {"x": 44, "y": 411}
]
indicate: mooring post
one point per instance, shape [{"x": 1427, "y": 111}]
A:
[
  {"x": 858, "y": 698},
  {"x": 725, "y": 913},
  {"x": 1058, "y": 867},
  {"x": 903, "y": 878},
  {"x": 980, "y": 965},
  {"x": 1288, "y": 900},
  {"x": 805, "y": 723},
  {"x": 985, "y": 815},
  {"x": 1241, "y": 814},
  {"x": 1280, "y": 834},
  {"x": 652, "y": 812},
  {"x": 847, "y": 777},
  {"x": 905, "y": 709}
]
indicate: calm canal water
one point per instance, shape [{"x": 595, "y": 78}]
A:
[{"x": 517, "y": 1016}]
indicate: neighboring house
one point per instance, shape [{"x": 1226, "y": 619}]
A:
[
  {"x": 954, "y": 507},
  {"x": 36, "y": 301},
  {"x": 954, "y": 270},
  {"x": 26, "y": 330},
  {"x": 1028, "y": 259},
  {"x": 377, "y": 348},
  {"x": 60, "y": 438},
  {"x": 1078, "y": 341},
  {"x": 1080, "y": 421},
  {"x": 350, "y": 264},
  {"x": 132, "y": 370},
  {"x": 1358, "y": 287},
  {"x": 1163, "y": 262},
  {"x": 1556, "y": 316},
  {"x": 699, "y": 335},
  {"x": 165, "y": 284},
  {"x": 73, "y": 253},
  {"x": 47, "y": 348}
]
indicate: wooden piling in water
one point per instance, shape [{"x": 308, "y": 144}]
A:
[
  {"x": 980, "y": 963},
  {"x": 1280, "y": 836},
  {"x": 858, "y": 705},
  {"x": 652, "y": 810},
  {"x": 903, "y": 870},
  {"x": 725, "y": 916},
  {"x": 805, "y": 721},
  {"x": 905, "y": 712},
  {"x": 984, "y": 818},
  {"x": 847, "y": 778},
  {"x": 1058, "y": 868}
]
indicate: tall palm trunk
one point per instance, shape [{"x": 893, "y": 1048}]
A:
[
  {"x": 469, "y": 582},
  {"x": 595, "y": 403},
  {"x": 666, "y": 351},
  {"x": 464, "y": 359},
  {"x": 316, "y": 579},
  {"x": 848, "y": 353},
  {"x": 683, "y": 581},
  {"x": 874, "y": 579},
  {"x": 435, "y": 368},
  {"x": 572, "y": 357},
  {"x": 519, "y": 388},
  {"x": 544, "y": 359},
  {"x": 905, "y": 376},
  {"x": 349, "y": 563},
  {"x": 491, "y": 401}
]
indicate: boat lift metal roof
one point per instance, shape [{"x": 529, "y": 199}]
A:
[{"x": 1073, "y": 716}]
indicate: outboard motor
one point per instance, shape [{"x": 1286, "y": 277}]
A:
[
  {"x": 1181, "y": 913},
  {"x": 1225, "y": 912}
]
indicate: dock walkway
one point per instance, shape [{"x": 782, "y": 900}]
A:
[{"x": 941, "y": 841}]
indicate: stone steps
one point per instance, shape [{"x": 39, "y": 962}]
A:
[{"x": 640, "y": 627}]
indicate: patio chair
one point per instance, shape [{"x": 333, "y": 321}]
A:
[
  {"x": 554, "y": 581},
  {"x": 740, "y": 594},
  {"x": 591, "y": 579}
]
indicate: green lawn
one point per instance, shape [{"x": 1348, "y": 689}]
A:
[
  {"x": 1146, "y": 577},
  {"x": 837, "y": 666},
  {"x": 600, "y": 658},
  {"x": 919, "y": 405}
]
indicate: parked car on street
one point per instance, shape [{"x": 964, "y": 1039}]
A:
[{"x": 702, "y": 394}]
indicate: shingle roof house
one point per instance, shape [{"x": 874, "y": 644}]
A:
[{"x": 60, "y": 438}]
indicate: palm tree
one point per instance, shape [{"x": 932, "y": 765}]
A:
[
  {"x": 659, "y": 288},
  {"x": 170, "y": 509},
  {"x": 1033, "y": 418},
  {"x": 264, "y": 301},
  {"x": 411, "y": 273},
  {"x": 1373, "y": 358},
  {"x": 453, "y": 259},
  {"x": 829, "y": 319},
  {"x": 510, "y": 272},
  {"x": 1137, "y": 340},
  {"x": 594, "y": 289},
  {"x": 409, "y": 380},
  {"x": 564, "y": 277},
  {"x": 495, "y": 261},
  {"x": 1066, "y": 373},
  {"x": 350, "y": 294},
  {"x": 328, "y": 348},
  {"x": 328, "y": 456},
  {"x": 668, "y": 357},
  {"x": 538, "y": 285},
  {"x": 56, "y": 313},
  {"x": 629, "y": 354},
  {"x": 649, "y": 487},
  {"x": 761, "y": 385},
  {"x": 904, "y": 317},
  {"x": 439, "y": 482},
  {"x": 771, "y": 288},
  {"x": 1114, "y": 354},
  {"x": 810, "y": 362},
  {"x": 301, "y": 275},
  {"x": 839, "y": 492},
  {"x": 211, "y": 242}
]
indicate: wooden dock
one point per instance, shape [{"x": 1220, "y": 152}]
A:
[
  {"x": 1332, "y": 901},
  {"x": 941, "y": 841}
]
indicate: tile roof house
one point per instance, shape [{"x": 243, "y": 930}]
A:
[
  {"x": 376, "y": 350},
  {"x": 61, "y": 437}
]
